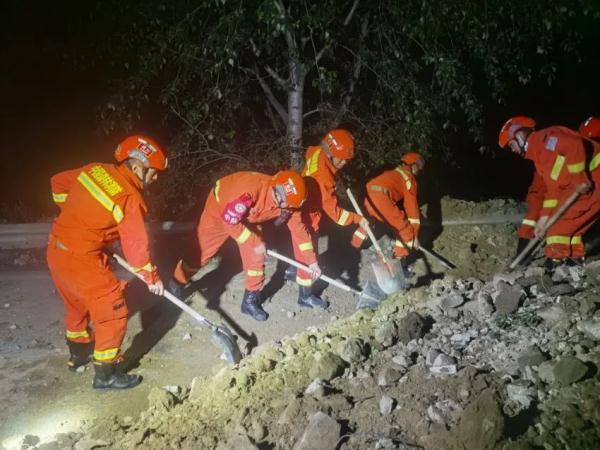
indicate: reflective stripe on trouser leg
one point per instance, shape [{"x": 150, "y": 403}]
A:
[
  {"x": 577, "y": 247},
  {"x": 558, "y": 246},
  {"x": 81, "y": 337},
  {"x": 358, "y": 237},
  {"x": 304, "y": 281}
]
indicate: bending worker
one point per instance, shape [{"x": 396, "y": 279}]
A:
[
  {"x": 233, "y": 208},
  {"x": 567, "y": 163},
  {"x": 383, "y": 194},
  {"x": 99, "y": 204}
]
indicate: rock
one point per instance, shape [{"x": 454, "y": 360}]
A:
[
  {"x": 412, "y": 326},
  {"x": 452, "y": 301},
  {"x": 460, "y": 340},
  {"x": 386, "y": 334},
  {"x": 289, "y": 415},
  {"x": 187, "y": 337},
  {"x": 521, "y": 395},
  {"x": 501, "y": 280},
  {"x": 322, "y": 433},
  {"x": 53, "y": 445},
  {"x": 444, "y": 411},
  {"x": 160, "y": 399},
  {"x": 89, "y": 444},
  {"x": 552, "y": 315},
  {"x": 431, "y": 355},
  {"x": 402, "y": 361},
  {"x": 30, "y": 440},
  {"x": 508, "y": 299},
  {"x": 534, "y": 271},
  {"x": 527, "y": 281},
  {"x": 531, "y": 356},
  {"x": 591, "y": 328},
  {"x": 327, "y": 366},
  {"x": 443, "y": 365},
  {"x": 486, "y": 305},
  {"x": 239, "y": 442},
  {"x": 587, "y": 306},
  {"x": 569, "y": 370},
  {"x": 546, "y": 372},
  {"x": 315, "y": 388},
  {"x": 482, "y": 422},
  {"x": 388, "y": 376},
  {"x": 259, "y": 431},
  {"x": 351, "y": 350},
  {"x": 561, "y": 289},
  {"x": 386, "y": 405},
  {"x": 592, "y": 272},
  {"x": 290, "y": 314},
  {"x": 560, "y": 273}
]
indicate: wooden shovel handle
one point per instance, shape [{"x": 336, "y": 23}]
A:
[{"x": 368, "y": 227}]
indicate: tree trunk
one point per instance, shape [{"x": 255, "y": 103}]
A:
[{"x": 295, "y": 113}]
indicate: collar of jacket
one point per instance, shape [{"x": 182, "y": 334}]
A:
[
  {"x": 131, "y": 177},
  {"x": 326, "y": 154}
]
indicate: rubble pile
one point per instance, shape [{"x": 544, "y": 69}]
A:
[{"x": 507, "y": 363}]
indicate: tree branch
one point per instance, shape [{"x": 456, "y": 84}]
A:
[
  {"x": 351, "y": 13},
  {"x": 271, "y": 97},
  {"x": 283, "y": 83}
]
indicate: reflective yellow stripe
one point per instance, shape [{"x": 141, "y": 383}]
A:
[
  {"x": 59, "y": 198},
  {"x": 564, "y": 240},
  {"x": 360, "y": 235},
  {"x": 255, "y": 273},
  {"x": 343, "y": 217},
  {"x": 595, "y": 162},
  {"x": 106, "y": 355},
  {"x": 217, "y": 189},
  {"x": 312, "y": 164},
  {"x": 576, "y": 168},
  {"x": 244, "y": 235},
  {"x": 303, "y": 281},
  {"x": 576, "y": 240},
  {"x": 417, "y": 221},
  {"x": 147, "y": 267},
  {"x": 529, "y": 222},
  {"x": 377, "y": 188},
  {"x": 550, "y": 203},
  {"x": 558, "y": 165},
  {"x": 406, "y": 177},
  {"x": 77, "y": 334},
  {"x": 305, "y": 246},
  {"x": 399, "y": 243},
  {"x": 101, "y": 196}
]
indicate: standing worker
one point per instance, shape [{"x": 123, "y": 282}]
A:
[
  {"x": 235, "y": 204},
  {"x": 383, "y": 194},
  {"x": 322, "y": 164},
  {"x": 99, "y": 204},
  {"x": 566, "y": 162}
]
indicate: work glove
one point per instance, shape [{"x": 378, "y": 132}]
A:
[
  {"x": 153, "y": 281},
  {"x": 157, "y": 288},
  {"x": 315, "y": 271},
  {"x": 538, "y": 232},
  {"x": 416, "y": 243},
  {"x": 583, "y": 187}
]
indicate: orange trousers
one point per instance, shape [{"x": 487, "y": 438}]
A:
[
  {"x": 380, "y": 207},
  {"x": 212, "y": 233},
  {"x": 565, "y": 237},
  {"x": 91, "y": 293}
]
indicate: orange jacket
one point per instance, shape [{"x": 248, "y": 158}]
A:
[
  {"x": 559, "y": 157},
  {"x": 319, "y": 167},
  {"x": 100, "y": 203},
  {"x": 399, "y": 184},
  {"x": 251, "y": 194}
]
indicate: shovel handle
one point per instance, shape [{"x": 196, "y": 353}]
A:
[
  {"x": 201, "y": 319},
  {"x": 368, "y": 227},
  {"x": 298, "y": 265},
  {"x": 436, "y": 257},
  {"x": 551, "y": 221}
]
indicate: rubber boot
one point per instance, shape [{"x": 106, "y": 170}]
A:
[
  {"x": 80, "y": 354},
  {"x": 109, "y": 376},
  {"x": 521, "y": 245},
  {"x": 550, "y": 264},
  {"x": 307, "y": 299},
  {"x": 290, "y": 274},
  {"x": 251, "y": 306}
]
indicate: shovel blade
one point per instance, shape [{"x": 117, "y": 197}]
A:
[
  {"x": 390, "y": 276},
  {"x": 227, "y": 343},
  {"x": 370, "y": 297}
]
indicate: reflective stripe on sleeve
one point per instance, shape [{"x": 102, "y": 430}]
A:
[
  {"x": 550, "y": 203},
  {"x": 576, "y": 168},
  {"x": 529, "y": 222},
  {"x": 557, "y": 167},
  {"x": 305, "y": 246},
  {"x": 595, "y": 162},
  {"x": 106, "y": 355},
  {"x": 563, "y": 240},
  {"x": 148, "y": 267},
  {"x": 406, "y": 177},
  {"x": 407, "y": 244},
  {"x": 360, "y": 235},
  {"x": 101, "y": 196},
  {"x": 414, "y": 221},
  {"x": 343, "y": 217},
  {"x": 312, "y": 164},
  {"x": 244, "y": 235},
  {"x": 59, "y": 198},
  {"x": 377, "y": 188},
  {"x": 254, "y": 273},
  {"x": 576, "y": 240},
  {"x": 216, "y": 190}
]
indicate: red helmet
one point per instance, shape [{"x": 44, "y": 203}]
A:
[
  {"x": 340, "y": 143},
  {"x": 513, "y": 125},
  {"x": 411, "y": 158},
  {"x": 291, "y": 186},
  {"x": 590, "y": 128},
  {"x": 143, "y": 149}
]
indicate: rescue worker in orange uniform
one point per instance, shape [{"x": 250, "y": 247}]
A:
[
  {"x": 99, "y": 204},
  {"x": 323, "y": 162},
  {"x": 383, "y": 194},
  {"x": 567, "y": 163},
  {"x": 534, "y": 200},
  {"x": 234, "y": 206}
]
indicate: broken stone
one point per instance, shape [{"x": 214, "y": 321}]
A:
[
  {"x": 588, "y": 306},
  {"x": 239, "y": 442},
  {"x": 531, "y": 356},
  {"x": 186, "y": 337},
  {"x": 351, "y": 350},
  {"x": 561, "y": 273},
  {"x": 410, "y": 327},
  {"x": 89, "y": 444},
  {"x": 486, "y": 305},
  {"x": 160, "y": 399},
  {"x": 508, "y": 299},
  {"x": 315, "y": 388},
  {"x": 552, "y": 315},
  {"x": 386, "y": 405},
  {"x": 443, "y": 365},
  {"x": 388, "y": 376},
  {"x": 386, "y": 334},
  {"x": 431, "y": 355},
  {"x": 401, "y": 361},
  {"x": 591, "y": 328},
  {"x": 30, "y": 440},
  {"x": 546, "y": 372},
  {"x": 460, "y": 340},
  {"x": 443, "y": 412},
  {"x": 322, "y": 433},
  {"x": 482, "y": 422},
  {"x": 592, "y": 272},
  {"x": 504, "y": 279},
  {"x": 452, "y": 301},
  {"x": 569, "y": 370},
  {"x": 327, "y": 366},
  {"x": 259, "y": 431},
  {"x": 521, "y": 395},
  {"x": 561, "y": 289}
]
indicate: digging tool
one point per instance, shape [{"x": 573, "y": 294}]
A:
[
  {"x": 551, "y": 221},
  {"x": 439, "y": 259},
  {"x": 220, "y": 333},
  {"x": 389, "y": 274},
  {"x": 370, "y": 296}
]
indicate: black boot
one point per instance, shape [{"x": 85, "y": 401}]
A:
[
  {"x": 551, "y": 264},
  {"x": 109, "y": 376},
  {"x": 80, "y": 354},
  {"x": 521, "y": 245},
  {"x": 290, "y": 274},
  {"x": 251, "y": 306},
  {"x": 307, "y": 299}
]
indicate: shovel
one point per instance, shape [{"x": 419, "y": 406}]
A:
[
  {"x": 220, "y": 334},
  {"x": 439, "y": 259},
  {"x": 389, "y": 274},
  {"x": 369, "y": 297}
]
